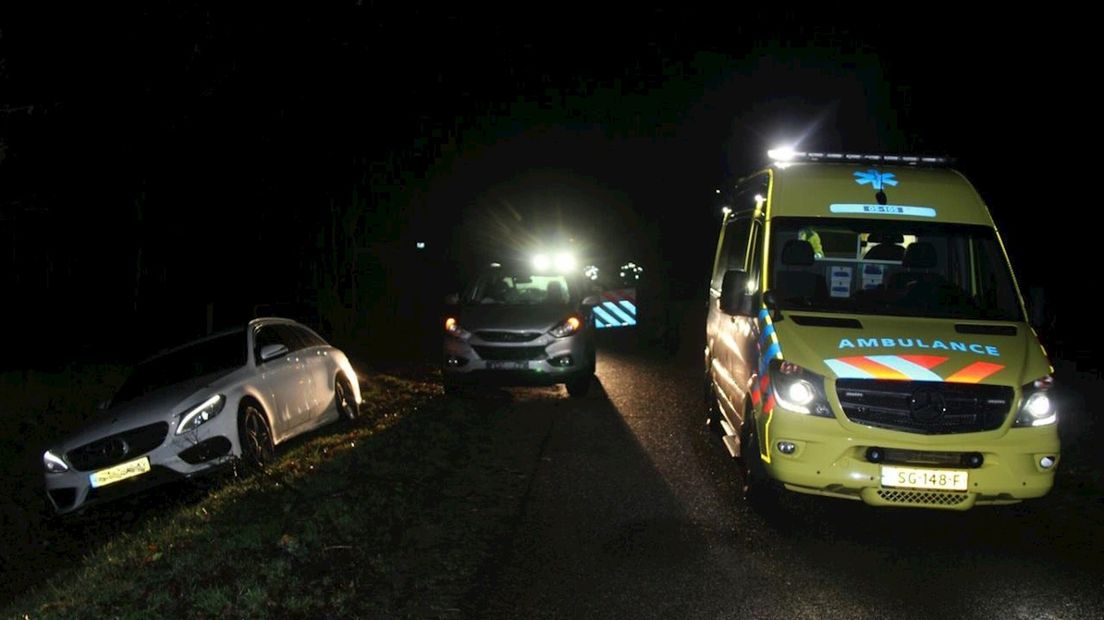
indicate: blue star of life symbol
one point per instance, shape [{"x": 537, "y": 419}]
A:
[{"x": 877, "y": 180}]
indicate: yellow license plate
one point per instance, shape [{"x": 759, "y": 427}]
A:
[
  {"x": 916, "y": 478},
  {"x": 122, "y": 471}
]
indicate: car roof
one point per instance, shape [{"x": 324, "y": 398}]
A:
[
  {"x": 269, "y": 320},
  {"x": 817, "y": 189}
]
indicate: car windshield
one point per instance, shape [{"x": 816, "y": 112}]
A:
[
  {"x": 904, "y": 268},
  {"x": 225, "y": 352},
  {"x": 518, "y": 288}
]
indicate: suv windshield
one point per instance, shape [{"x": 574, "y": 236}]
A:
[
  {"x": 518, "y": 288},
  {"x": 893, "y": 267},
  {"x": 226, "y": 352}
]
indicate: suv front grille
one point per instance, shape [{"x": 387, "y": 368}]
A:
[
  {"x": 510, "y": 353},
  {"x": 499, "y": 336},
  {"x": 118, "y": 448},
  {"x": 927, "y": 407}
]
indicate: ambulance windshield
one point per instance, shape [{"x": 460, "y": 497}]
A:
[{"x": 898, "y": 267}]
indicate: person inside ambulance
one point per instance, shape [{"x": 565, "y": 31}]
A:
[
  {"x": 798, "y": 281},
  {"x": 887, "y": 246},
  {"x": 922, "y": 286},
  {"x": 810, "y": 235}
]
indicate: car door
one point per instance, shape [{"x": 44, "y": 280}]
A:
[
  {"x": 280, "y": 378},
  {"x": 315, "y": 355},
  {"x": 308, "y": 401}
]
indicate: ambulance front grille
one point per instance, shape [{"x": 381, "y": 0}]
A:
[{"x": 926, "y": 407}]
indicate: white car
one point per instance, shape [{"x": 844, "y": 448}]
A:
[{"x": 236, "y": 394}]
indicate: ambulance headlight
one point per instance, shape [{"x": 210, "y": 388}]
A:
[
  {"x": 800, "y": 393},
  {"x": 798, "y": 389},
  {"x": 1037, "y": 407}
]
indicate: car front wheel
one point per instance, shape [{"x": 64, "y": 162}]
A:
[
  {"x": 578, "y": 388},
  {"x": 346, "y": 403},
  {"x": 760, "y": 491},
  {"x": 255, "y": 436}
]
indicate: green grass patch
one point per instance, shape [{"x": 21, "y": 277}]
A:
[{"x": 391, "y": 515}]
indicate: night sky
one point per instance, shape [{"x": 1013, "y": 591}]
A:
[{"x": 169, "y": 168}]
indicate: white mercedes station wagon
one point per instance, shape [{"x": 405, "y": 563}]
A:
[{"x": 237, "y": 394}]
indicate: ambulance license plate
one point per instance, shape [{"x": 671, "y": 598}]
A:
[{"x": 916, "y": 478}]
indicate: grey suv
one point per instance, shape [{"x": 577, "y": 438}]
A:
[{"x": 515, "y": 325}]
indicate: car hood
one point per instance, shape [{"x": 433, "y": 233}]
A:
[
  {"x": 156, "y": 406},
  {"x": 904, "y": 348},
  {"x": 532, "y": 318}
]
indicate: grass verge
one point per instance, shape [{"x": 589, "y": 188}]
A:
[{"x": 389, "y": 516}]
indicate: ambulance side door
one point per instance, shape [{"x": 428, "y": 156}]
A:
[{"x": 732, "y": 337}]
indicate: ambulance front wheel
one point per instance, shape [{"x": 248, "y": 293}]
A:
[{"x": 760, "y": 491}]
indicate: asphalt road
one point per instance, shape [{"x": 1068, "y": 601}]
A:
[{"x": 634, "y": 510}]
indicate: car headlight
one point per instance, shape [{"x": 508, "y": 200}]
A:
[
  {"x": 452, "y": 328},
  {"x": 53, "y": 463},
  {"x": 566, "y": 327},
  {"x": 800, "y": 390},
  {"x": 200, "y": 415},
  {"x": 1037, "y": 408}
]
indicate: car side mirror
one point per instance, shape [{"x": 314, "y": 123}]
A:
[
  {"x": 736, "y": 299},
  {"x": 591, "y": 300},
  {"x": 452, "y": 299},
  {"x": 272, "y": 351}
]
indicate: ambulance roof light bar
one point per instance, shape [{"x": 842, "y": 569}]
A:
[{"x": 788, "y": 155}]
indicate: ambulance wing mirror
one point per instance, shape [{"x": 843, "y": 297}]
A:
[{"x": 738, "y": 293}]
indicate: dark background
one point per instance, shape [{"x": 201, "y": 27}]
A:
[{"x": 177, "y": 167}]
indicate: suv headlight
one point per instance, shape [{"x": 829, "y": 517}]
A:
[
  {"x": 53, "y": 463},
  {"x": 1037, "y": 407},
  {"x": 798, "y": 389},
  {"x": 565, "y": 328},
  {"x": 200, "y": 415},
  {"x": 452, "y": 328}
]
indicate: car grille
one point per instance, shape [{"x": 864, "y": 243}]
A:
[
  {"x": 118, "y": 448},
  {"x": 510, "y": 353},
  {"x": 927, "y": 407},
  {"x": 499, "y": 336}
]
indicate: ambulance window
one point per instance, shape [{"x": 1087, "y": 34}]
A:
[
  {"x": 756, "y": 267},
  {"x": 733, "y": 249},
  {"x": 928, "y": 269},
  {"x": 990, "y": 276}
]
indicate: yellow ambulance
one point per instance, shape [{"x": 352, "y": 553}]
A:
[{"x": 866, "y": 338}]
